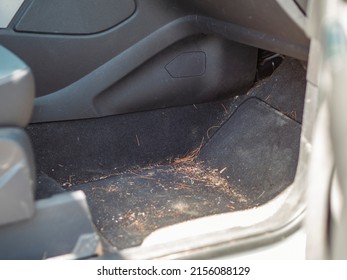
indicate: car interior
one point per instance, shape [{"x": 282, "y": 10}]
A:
[{"x": 151, "y": 129}]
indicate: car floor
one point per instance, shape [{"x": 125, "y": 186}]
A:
[{"x": 147, "y": 170}]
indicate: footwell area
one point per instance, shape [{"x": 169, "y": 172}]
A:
[
  {"x": 250, "y": 160},
  {"x": 149, "y": 170}
]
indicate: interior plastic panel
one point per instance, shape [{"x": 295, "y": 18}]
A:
[
  {"x": 187, "y": 65},
  {"x": 59, "y": 60},
  {"x": 194, "y": 70},
  {"x": 61, "y": 226},
  {"x": 74, "y": 17},
  {"x": 115, "y": 88},
  {"x": 75, "y": 56},
  {"x": 62, "y": 63},
  {"x": 17, "y": 90},
  {"x": 266, "y": 16},
  {"x": 17, "y": 176},
  {"x": 17, "y": 167}
]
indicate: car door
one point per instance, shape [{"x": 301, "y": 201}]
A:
[{"x": 327, "y": 211}]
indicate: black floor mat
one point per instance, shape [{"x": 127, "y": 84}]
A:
[
  {"x": 284, "y": 90},
  {"x": 248, "y": 161},
  {"x": 257, "y": 150},
  {"x": 128, "y": 207},
  {"x": 74, "y": 152}
]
